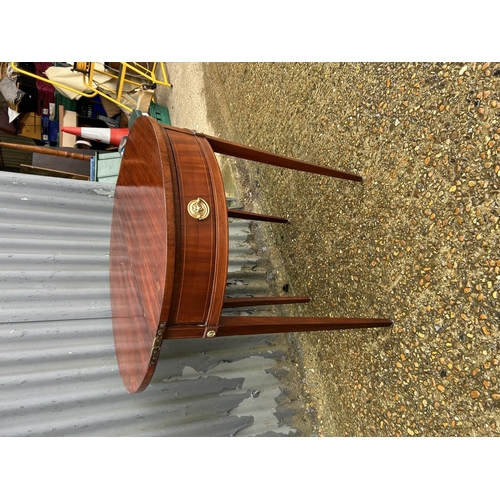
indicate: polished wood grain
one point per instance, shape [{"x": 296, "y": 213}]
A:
[
  {"x": 241, "y": 214},
  {"x": 253, "y": 325},
  {"x": 262, "y": 301},
  {"x": 236, "y": 150},
  {"x": 143, "y": 251},
  {"x": 168, "y": 269},
  {"x": 200, "y": 278},
  {"x": 250, "y": 325},
  {"x": 258, "y": 155}
]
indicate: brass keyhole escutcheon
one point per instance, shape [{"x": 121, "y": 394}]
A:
[{"x": 198, "y": 209}]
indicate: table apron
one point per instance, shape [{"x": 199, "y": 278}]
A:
[{"x": 202, "y": 245}]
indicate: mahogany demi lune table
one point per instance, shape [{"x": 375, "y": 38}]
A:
[{"x": 169, "y": 248}]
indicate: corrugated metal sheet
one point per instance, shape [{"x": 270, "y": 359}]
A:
[{"x": 58, "y": 373}]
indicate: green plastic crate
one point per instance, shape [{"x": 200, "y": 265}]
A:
[
  {"x": 68, "y": 104},
  {"x": 159, "y": 113}
]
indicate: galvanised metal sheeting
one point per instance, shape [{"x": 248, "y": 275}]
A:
[{"x": 58, "y": 372}]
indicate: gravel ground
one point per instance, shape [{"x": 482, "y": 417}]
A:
[{"x": 417, "y": 241}]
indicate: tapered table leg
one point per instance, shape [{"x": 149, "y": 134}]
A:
[
  {"x": 249, "y": 325},
  {"x": 241, "y": 214},
  {"x": 247, "y": 153},
  {"x": 262, "y": 301}
]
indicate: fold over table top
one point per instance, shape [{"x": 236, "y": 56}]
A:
[{"x": 142, "y": 245}]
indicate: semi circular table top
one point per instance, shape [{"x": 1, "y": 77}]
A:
[
  {"x": 142, "y": 246},
  {"x": 169, "y": 248}
]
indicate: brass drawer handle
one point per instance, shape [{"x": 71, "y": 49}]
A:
[{"x": 198, "y": 209}]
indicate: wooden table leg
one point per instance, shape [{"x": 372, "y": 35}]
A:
[
  {"x": 262, "y": 301},
  {"x": 249, "y": 325},
  {"x": 253, "y": 325},
  {"x": 247, "y": 153},
  {"x": 241, "y": 214}
]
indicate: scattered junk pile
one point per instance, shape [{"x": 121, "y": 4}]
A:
[{"x": 50, "y": 111}]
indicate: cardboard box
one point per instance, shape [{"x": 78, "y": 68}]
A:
[
  {"x": 67, "y": 118},
  {"x": 30, "y": 125}
]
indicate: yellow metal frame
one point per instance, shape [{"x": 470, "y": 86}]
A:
[
  {"x": 55, "y": 84},
  {"x": 89, "y": 71}
]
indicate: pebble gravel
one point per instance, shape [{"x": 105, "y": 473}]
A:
[{"x": 417, "y": 241}]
